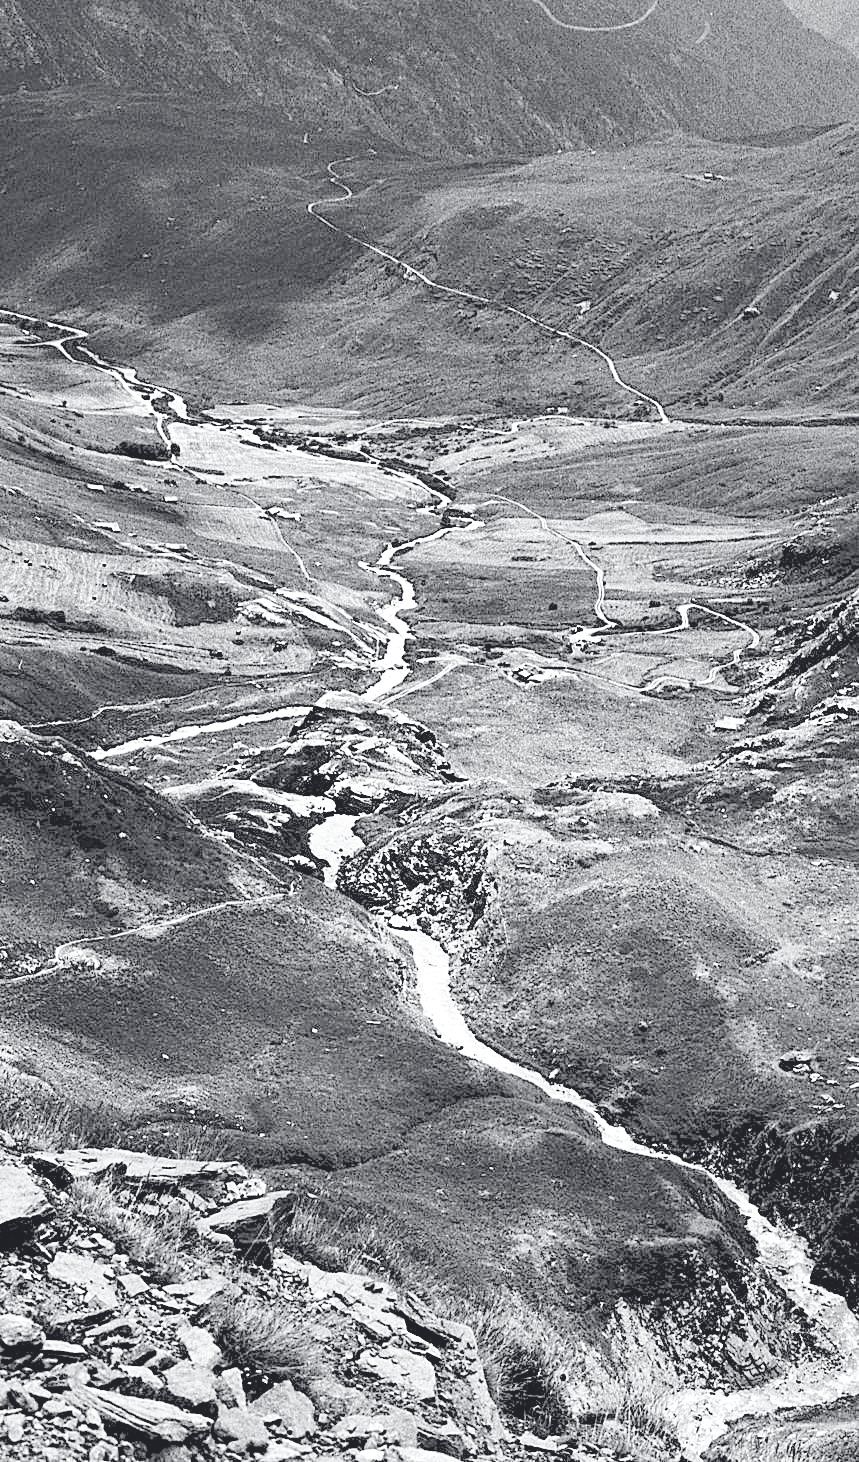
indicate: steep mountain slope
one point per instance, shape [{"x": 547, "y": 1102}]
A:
[
  {"x": 180, "y": 232},
  {"x": 722, "y": 276},
  {"x": 440, "y": 76},
  {"x": 87, "y": 853}
]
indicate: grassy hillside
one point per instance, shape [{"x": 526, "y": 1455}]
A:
[
  {"x": 493, "y": 76},
  {"x": 669, "y": 245},
  {"x": 279, "y": 1032},
  {"x": 182, "y": 234},
  {"x": 88, "y": 852}
]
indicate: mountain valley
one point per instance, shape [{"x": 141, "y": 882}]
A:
[{"x": 428, "y": 634}]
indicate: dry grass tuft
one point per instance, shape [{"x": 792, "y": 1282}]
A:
[
  {"x": 347, "y": 1240},
  {"x": 35, "y": 1118},
  {"x": 162, "y": 1243},
  {"x": 635, "y": 1417},
  {"x": 527, "y": 1362},
  {"x": 267, "y": 1339}
]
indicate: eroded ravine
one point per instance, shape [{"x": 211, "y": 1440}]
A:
[{"x": 701, "y": 1415}]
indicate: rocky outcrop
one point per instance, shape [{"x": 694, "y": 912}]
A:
[
  {"x": 357, "y": 758},
  {"x": 815, "y": 1434},
  {"x": 806, "y": 1175},
  {"x": 138, "y": 1168},
  {"x": 804, "y": 677},
  {"x": 223, "y": 1361},
  {"x": 23, "y": 1204},
  {"x": 433, "y": 871},
  {"x": 252, "y": 1226}
]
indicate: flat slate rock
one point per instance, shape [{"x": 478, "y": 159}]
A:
[
  {"x": 191, "y": 1385},
  {"x": 253, "y": 1225},
  {"x": 243, "y": 1427},
  {"x": 396, "y": 1427},
  {"x": 403, "y": 1369},
  {"x": 292, "y": 1409},
  {"x": 200, "y": 1346},
  {"x": 83, "y": 1272},
  {"x": 423, "y": 1321},
  {"x": 153, "y": 1419},
  {"x": 19, "y": 1334},
  {"x": 134, "y": 1167},
  {"x": 23, "y": 1205}
]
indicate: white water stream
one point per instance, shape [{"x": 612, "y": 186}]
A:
[{"x": 701, "y": 1415}]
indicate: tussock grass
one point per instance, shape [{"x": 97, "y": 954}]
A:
[
  {"x": 196, "y": 1142},
  {"x": 36, "y": 1118},
  {"x": 527, "y": 1362},
  {"x": 185, "y": 1141},
  {"x": 638, "y": 1416},
  {"x": 346, "y": 1240},
  {"x": 163, "y": 1243},
  {"x": 267, "y": 1339}
]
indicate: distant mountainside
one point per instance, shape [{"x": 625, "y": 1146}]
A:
[
  {"x": 431, "y": 75},
  {"x": 179, "y": 232},
  {"x": 838, "y": 19}
]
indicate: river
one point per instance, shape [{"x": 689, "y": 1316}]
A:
[{"x": 701, "y": 1415}]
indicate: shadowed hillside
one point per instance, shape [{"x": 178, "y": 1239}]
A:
[
  {"x": 428, "y": 617},
  {"x": 441, "y": 77},
  {"x": 181, "y": 234}
]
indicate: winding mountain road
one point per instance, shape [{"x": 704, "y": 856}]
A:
[
  {"x": 150, "y": 929},
  {"x": 782, "y": 1255},
  {"x": 449, "y": 291},
  {"x": 597, "y": 30}
]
